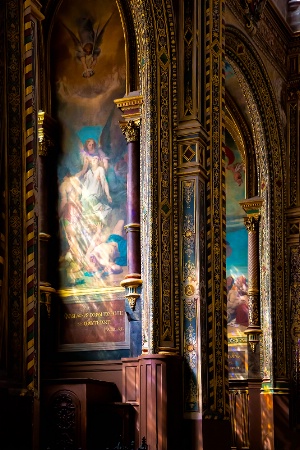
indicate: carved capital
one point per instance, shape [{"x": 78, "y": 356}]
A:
[
  {"x": 131, "y": 285},
  {"x": 253, "y": 337},
  {"x": 251, "y": 222},
  {"x": 131, "y": 130}
]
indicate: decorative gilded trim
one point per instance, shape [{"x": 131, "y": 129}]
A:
[
  {"x": 155, "y": 32},
  {"x": 293, "y": 137},
  {"x": 217, "y": 397},
  {"x": 129, "y": 102},
  {"x": 252, "y": 206},
  {"x": 189, "y": 51}
]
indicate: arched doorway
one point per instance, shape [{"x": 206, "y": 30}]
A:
[{"x": 255, "y": 100}]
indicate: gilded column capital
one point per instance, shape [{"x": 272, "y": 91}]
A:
[
  {"x": 131, "y": 130},
  {"x": 132, "y": 285},
  {"x": 252, "y": 207},
  {"x": 251, "y": 222}
]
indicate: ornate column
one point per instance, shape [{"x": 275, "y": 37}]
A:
[
  {"x": 44, "y": 144},
  {"x": 46, "y": 129},
  {"x": 32, "y": 18},
  {"x": 130, "y": 106},
  {"x": 252, "y": 208}
]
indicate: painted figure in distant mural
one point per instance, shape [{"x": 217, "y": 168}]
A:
[
  {"x": 237, "y": 301},
  {"x": 237, "y": 168},
  {"x": 116, "y": 178},
  {"x": 92, "y": 210},
  {"x": 87, "y": 45},
  {"x": 70, "y": 212},
  {"x": 90, "y": 148},
  {"x": 107, "y": 254},
  {"x": 95, "y": 192}
]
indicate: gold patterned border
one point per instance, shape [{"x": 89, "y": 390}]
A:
[{"x": 216, "y": 247}]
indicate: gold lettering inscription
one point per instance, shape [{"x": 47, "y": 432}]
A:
[
  {"x": 114, "y": 329},
  {"x": 113, "y": 313},
  {"x": 93, "y": 314},
  {"x": 89, "y": 323}
]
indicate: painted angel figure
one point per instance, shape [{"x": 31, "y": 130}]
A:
[{"x": 87, "y": 45}]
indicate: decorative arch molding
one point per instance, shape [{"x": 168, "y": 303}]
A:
[
  {"x": 270, "y": 154},
  {"x": 238, "y": 128},
  {"x": 155, "y": 34}
]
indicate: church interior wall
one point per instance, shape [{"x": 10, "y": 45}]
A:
[{"x": 165, "y": 102}]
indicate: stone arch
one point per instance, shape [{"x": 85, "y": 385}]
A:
[{"x": 269, "y": 154}]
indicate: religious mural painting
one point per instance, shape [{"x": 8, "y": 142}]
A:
[
  {"x": 236, "y": 260},
  {"x": 88, "y": 74}
]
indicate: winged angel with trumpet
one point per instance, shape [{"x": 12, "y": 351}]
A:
[{"x": 87, "y": 45}]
